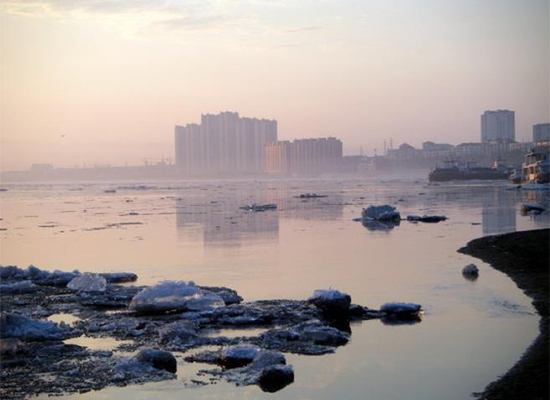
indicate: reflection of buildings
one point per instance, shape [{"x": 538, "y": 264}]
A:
[
  {"x": 303, "y": 156},
  {"x": 498, "y": 213},
  {"x": 215, "y": 217},
  {"x": 222, "y": 222}
]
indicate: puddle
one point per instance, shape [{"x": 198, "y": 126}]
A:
[
  {"x": 97, "y": 343},
  {"x": 233, "y": 333},
  {"x": 69, "y": 319}
]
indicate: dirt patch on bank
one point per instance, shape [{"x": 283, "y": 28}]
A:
[{"x": 524, "y": 257}]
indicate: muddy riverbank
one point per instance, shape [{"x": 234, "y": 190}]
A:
[{"x": 524, "y": 257}]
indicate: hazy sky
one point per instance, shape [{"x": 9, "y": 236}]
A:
[{"x": 105, "y": 81}]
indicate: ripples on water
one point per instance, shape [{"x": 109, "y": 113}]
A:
[{"x": 471, "y": 332}]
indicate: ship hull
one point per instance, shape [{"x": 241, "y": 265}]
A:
[{"x": 453, "y": 175}]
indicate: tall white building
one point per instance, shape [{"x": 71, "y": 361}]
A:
[
  {"x": 498, "y": 126},
  {"x": 223, "y": 143}
]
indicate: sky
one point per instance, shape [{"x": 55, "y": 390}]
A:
[{"x": 86, "y": 82}]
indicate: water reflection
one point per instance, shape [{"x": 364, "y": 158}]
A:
[
  {"x": 223, "y": 223},
  {"x": 499, "y": 212},
  {"x": 219, "y": 219}
]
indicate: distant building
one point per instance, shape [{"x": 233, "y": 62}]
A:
[
  {"x": 223, "y": 143},
  {"x": 498, "y": 126},
  {"x": 431, "y": 146},
  {"x": 541, "y": 133},
  {"x": 303, "y": 156}
]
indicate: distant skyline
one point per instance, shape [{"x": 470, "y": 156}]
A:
[{"x": 90, "y": 81}]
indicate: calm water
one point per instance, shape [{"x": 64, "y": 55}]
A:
[{"x": 471, "y": 333}]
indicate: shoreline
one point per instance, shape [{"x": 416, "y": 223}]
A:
[{"x": 524, "y": 257}]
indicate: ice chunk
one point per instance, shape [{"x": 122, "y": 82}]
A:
[
  {"x": 19, "y": 287},
  {"x": 275, "y": 377},
  {"x": 401, "y": 309},
  {"x": 28, "y": 329},
  {"x": 470, "y": 272},
  {"x": 88, "y": 283},
  {"x": 165, "y": 296},
  {"x": 119, "y": 277},
  {"x": 381, "y": 213},
  {"x": 528, "y": 207},
  {"x": 159, "y": 359},
  {"x": 238, "y": 356},
  {"x": 426, "y": 218},
  {"x": 205, "y": 302},
  {"x": 330, "y": 300}
]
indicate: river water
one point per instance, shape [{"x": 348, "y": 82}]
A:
[{"x": 471, "y": 332}]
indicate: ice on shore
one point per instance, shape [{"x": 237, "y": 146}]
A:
[
  {"x": 165, "y": 296},
  {"x": 28, "y": 329},
  {"x": 159, "y": 359},
  {"x": 37, "y": 276},
  {"x": 381, "y": 213},
  {"x": 19, "y": 287},
  {"x": 88, "y": 283},
  {"x": 206, "y": 301},
  {"x": 238, "y": 356},
  {"x": 119, "y": 277}
]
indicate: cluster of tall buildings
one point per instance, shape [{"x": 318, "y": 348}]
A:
[
  {"x": 224, "y": 143},
  {"x": 228, "y": 144},
  {"x": 303, "y": 156}
]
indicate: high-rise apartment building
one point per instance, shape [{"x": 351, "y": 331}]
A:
[
  {"x": 498, "y": 126},
  {"x": 541, "y": 133},
  {"x": 223, "y": 143},
  {"x": 303, "y": 156}
]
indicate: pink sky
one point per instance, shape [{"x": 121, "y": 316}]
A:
[{"x": 86, "y": 82}]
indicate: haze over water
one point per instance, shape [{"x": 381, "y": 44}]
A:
[{"x": 471, "y": 331}]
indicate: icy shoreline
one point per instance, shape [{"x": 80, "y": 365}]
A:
[{"x": 28, "y": 351}]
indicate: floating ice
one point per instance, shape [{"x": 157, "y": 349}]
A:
[
  {"x": 426, "y": 218},
  {"x": 88, "y": 283},
  {"x": 528, "y": 207},
  {"x": 470, "y": 272},
  {"x": 330, "y": 300},
  {"x": 381, "y": 213},
  {"x": 401, "y": 308}
]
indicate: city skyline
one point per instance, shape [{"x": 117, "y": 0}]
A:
[{"x": 115, "y": 76}]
